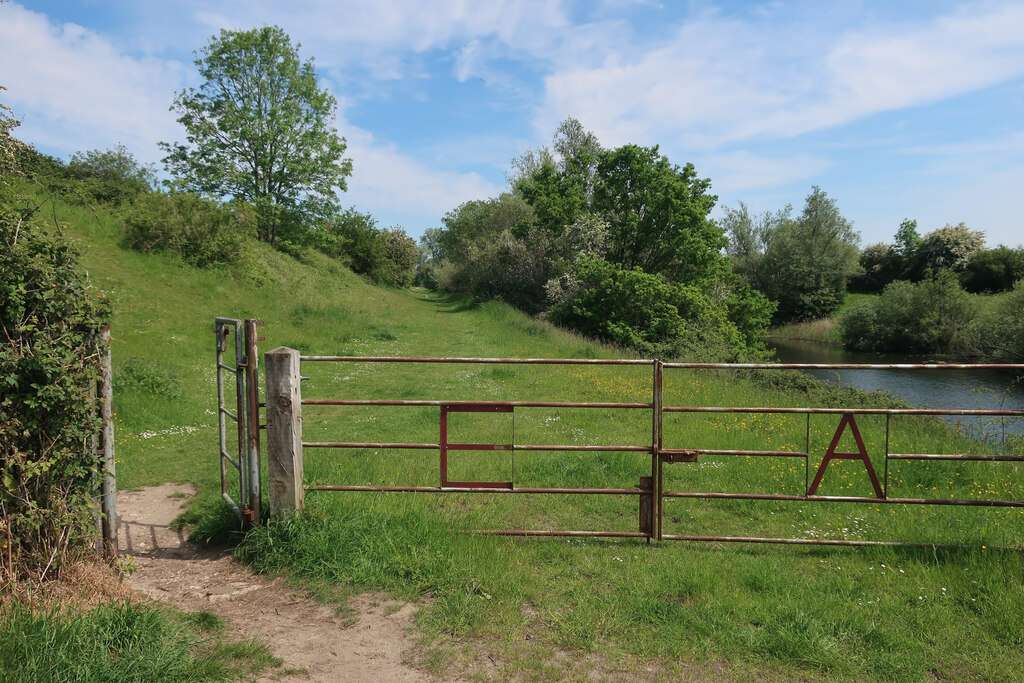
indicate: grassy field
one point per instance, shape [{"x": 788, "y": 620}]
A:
[{"x": 542, "y": 609}]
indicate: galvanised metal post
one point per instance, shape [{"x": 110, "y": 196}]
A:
[{"x": 253, "y": 419}]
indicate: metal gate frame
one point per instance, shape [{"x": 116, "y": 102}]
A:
[
  {"x": 651, "y": 492},
  {"x": 246, "y": 460}
]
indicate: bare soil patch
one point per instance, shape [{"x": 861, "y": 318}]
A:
[{"x": 315, "y": 643}]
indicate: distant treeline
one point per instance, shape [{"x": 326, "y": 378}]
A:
[{"x": 929, "y": 286}]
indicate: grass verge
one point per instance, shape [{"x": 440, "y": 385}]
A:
[{"x": 122, "y": 641}]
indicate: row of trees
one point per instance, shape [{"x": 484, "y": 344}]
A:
[
  {"x": 936, "y": 315},
  {"x": 806, "y": 263},
  {"x": 956, "y": 248},
  {"x": 616, "y": 243}
]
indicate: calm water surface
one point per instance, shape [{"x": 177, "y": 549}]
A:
[{"x": 952, "y": 389}]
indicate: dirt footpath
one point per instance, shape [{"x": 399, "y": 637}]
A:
[{"x": 369, "y": 645}]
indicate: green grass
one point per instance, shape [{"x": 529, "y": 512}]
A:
[
  {"x": 822, "y": 331},
  {"x": 589, "y": 606},
  {"x": 122, "y": 642}
]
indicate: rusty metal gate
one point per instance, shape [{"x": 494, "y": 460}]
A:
[
  {"x": 243, "y": 457},
  {"x": 651, "y": 490}
]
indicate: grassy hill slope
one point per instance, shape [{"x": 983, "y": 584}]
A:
[{"x": 541, "y": 608}]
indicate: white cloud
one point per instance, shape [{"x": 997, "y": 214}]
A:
[
  {"x": 344, "y": 33},
  {"x": 725, "y": 80},
  {"x": 732, "y": 172},
  {"x": 73, "y": 90},
  {"x": 388, "y": 181}
]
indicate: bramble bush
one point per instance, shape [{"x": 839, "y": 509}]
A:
[{"x": 51, "y": 319}]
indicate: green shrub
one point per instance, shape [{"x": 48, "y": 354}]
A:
[
  {"x": 387, "y": 257},
  {"x": 993, "y": 270},
  {"x": 112, "y": 176},
  {"x": 927, "y": 316},
  {"x": 51, "y": 319},
  {"x": 642, "y": 311},
  {"x": 997, "y": 333},
  {"x": 402, "y": 255},
  {"x": 201, "y": 231}
]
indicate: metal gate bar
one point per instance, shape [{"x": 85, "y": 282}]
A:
[
  {"x": 847, "y": 413},
  {"x": 651, "y": 490},
  {"x": 501, "y": 406},
  {"x": 224, "y": 327}
]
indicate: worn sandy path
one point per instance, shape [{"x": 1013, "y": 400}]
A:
[{"x": 306, "y": 634}]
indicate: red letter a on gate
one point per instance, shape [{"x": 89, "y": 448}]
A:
[{"x": 861, "y": 455}]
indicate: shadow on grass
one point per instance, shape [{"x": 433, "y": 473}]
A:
[{"x": 452, "y": 303}]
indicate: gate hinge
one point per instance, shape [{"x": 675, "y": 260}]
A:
[{"x": 249, "y": 515}]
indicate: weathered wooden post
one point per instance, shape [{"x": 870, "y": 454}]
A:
[
  {"x": 284, "y": 431},
  {"x": 108, "y": 485}
]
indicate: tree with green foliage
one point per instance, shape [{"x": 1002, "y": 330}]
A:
[
  {"x": 9, "y": 145},
  {"x": 950, "y": 247},
  {"x": 643, "y": 311},
  {"x": 575, "y": 206},
  {"x": 658, "y": 215},
  {"x": 808, "y": 261},
  {"x": 993, "y": 270},
  {"x": 927, "y": 316},
  {"x": 748, "y": 236},
  {"x": 558, "y": 181},
  {"x": 908, "y": 240},
  {"x": 259, "y": 129},
  {"x": 880, "y": 265},
  {"x": 996, "y": 334},
  {"x": 402, "y": 256}
]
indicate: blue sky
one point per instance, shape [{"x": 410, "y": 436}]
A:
[{"x": 896, "y": 109}]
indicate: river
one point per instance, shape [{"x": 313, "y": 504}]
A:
[{"x": 950, "y": 389}]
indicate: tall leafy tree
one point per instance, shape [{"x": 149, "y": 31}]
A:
[
  {"x": 658, "y": 214},
  {"x": 808, "y": 261},
  {"x": 259, "y": 129}
]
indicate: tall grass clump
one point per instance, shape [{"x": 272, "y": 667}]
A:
[{"x": 120, "y": 642}]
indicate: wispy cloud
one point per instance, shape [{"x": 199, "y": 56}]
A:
[
  {"x": 78, "y": 91},
  {"x": 737, "y": 171},
  {"x": 388, "y": 181},
  {"x": 723, "y": 80}
]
